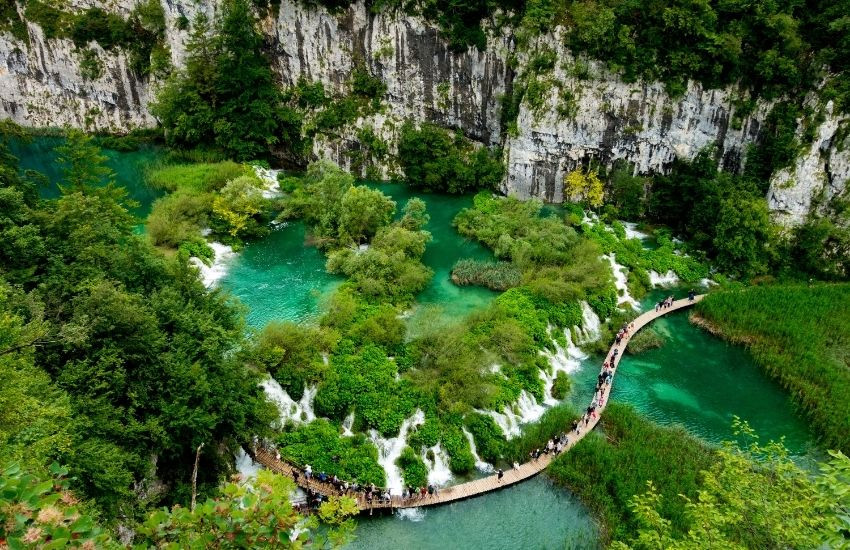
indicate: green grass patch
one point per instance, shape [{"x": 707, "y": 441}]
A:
[
  {"x": 608, "y": 468},
  {"x": 201, "y": 177},
  {"x": 800, "y": 336},
  {"x": 493, "y": 275}
]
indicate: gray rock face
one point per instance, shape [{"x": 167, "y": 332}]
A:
[
  {"x": 608, "y": 119},
  {"x": 818, "y": 175}
]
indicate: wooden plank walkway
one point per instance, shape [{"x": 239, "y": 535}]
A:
[{"x": 491, "y": 483}]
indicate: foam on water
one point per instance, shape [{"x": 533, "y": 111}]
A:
[
  {"x": 389, "y": 449},
  {"x": 211, "y": 274},
  {"x": 524, "y": 411},
  {"x": 245, "y": 465},
  {"x": 668, "y": 279},
  {"x": 632, "y": 231},
  {"x": 298, "y": 412},
  {"x": 480, "y": 465},
  {"x": 589, "y": 331},
  {"x": 347, "y": 423},
  {"x": 439, "y": 473},
  {"x": 620, "y": 281},
  {"x": 411, "y": 514}
]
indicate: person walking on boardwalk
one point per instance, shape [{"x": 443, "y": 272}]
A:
[{"x": 500, "y": 474}]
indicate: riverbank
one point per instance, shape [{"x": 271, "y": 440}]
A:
[{"x": 798, "y": 335}]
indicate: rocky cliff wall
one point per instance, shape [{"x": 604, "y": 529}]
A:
[{"x": 591, "y": 115}]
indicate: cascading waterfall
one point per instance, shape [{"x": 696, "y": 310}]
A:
[
  {"x": 389, "y": 449},
  {"x": 269, "y": 178},
  {"x": 632, "y": 231},
  {"x": 563, "y": 359},
  {"x": 480, "y": 465},
  {"x": 667, "y": 279},
  {"x": 245, "y": 465},
  {"x": 298, "y": 412},
  {"x": 439, "y": 473},
  {"x": 524, "y": 411},
  {"x": 211, "y": 274},
  {"x": 621, "y": 282},
  {"x": 347, "y": 424},
  {"x": 589, "y": 331}
]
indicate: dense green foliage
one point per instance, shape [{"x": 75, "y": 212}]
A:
[
  {"x": 142, "y": 34},
  {"x": 751, "y": 497},
  {"x": 413, "y": 469},
  {"x": 608, "y": 468},
  {"x": 799, "y": 335},
  {"x": 226, "y": 96},
  {"x": 434, "y": 160},
  {"x": 139, "y": 355},
  {"x": 319, "y": 445},
  {"x": 723, "y": 214},
  {"x": 253, "y": 515},
  {"x": 225, "y": 197},
  {"x": 557, "y": 263},
  {"x": 44, "y": 513},
  {"x": 493, "y": 275}
]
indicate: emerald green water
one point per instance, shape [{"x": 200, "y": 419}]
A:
[
  {"x": 281, "y": 278},
  {"x": 444, "y": 250},
  {"x": 39, "y": 154},
  {"x": 533, "y": 514},
  {"x": 700, "y": 382}
]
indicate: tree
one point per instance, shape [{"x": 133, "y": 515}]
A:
[
  {"x": 226, "y": 97},
  {"x": 754, "y": 497},
  {"x": 415, "y": 216},
  {"x": 584, "y": 186},
  {"x": 319, "y": 200},
  {"x": 744, "y": 237},
  {"x": 363, "y": 212},
  {"x": 83, "y": 165},
  {"x": 238, "y": 207},
  {"x": 253, "y": 515}
]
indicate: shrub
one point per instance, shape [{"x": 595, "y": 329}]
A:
[
  {"x": 413, "y": 469},
  {"x": 178, "y": 217}
]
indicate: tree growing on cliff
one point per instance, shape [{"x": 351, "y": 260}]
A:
[
  {"x": 584, "y": 186},
  {"x": 226, "y": 97}
]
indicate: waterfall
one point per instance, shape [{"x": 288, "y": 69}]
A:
[
  {"x": 439, "y": 473},
  {"x": 245, "y": 465},
  {"x": 632, "y": 231},
  {"x": 566, "y": 360},
  {"x": 589, "y": 330},
  {"x": 298, "y": 412},
  {"x": 211, "y": 274},
  {"x": 620, "y": 281},
  {"x": 480, "y": 465},
  {"x": 524, "y": 411},
  {"x": 389, "y": 449},
  {"x": 347, "y": 424},
  {"x": 269, "y": 178},
  {"x": 668, "y": 279}
]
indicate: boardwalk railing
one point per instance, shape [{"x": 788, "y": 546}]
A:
[{"x": 491, "y": 483}]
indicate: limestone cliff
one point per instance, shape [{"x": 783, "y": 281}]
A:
[{"x": 594, "y": 114}]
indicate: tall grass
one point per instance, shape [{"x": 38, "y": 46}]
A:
[
  {"x": 493, "y": 275},
  {"x": 607, "y": 468},
  {"x": 200, "y": 177},
  {"x": 800, "y": 335}
]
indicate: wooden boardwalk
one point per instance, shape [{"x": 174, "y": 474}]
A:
[{"x": 491, "y": 483}]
